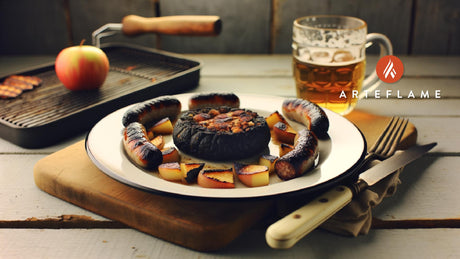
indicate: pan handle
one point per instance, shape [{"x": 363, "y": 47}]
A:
[{"x": 190, "y": 25}]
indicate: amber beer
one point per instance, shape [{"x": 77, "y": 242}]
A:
[
  {"x": 330, "y": 85},
  {"x": 329, "y": 53}
]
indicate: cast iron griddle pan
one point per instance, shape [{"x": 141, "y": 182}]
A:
[{"x": 51, "y": 112}]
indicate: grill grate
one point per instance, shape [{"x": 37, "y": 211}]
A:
[{"x": 132, "y": 70}]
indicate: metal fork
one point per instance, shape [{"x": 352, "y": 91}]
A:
[{"x": 386, "y": 144}]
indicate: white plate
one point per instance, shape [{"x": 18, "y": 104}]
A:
[{"x": 338, "y": 154}]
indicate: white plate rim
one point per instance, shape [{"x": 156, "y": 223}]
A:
[{"x": 112, "y": 161}]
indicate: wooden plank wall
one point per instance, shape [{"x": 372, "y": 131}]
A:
[{"x": 416, "y": 27}]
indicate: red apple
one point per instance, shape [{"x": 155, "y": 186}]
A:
[{"x": 82, "y": 67}]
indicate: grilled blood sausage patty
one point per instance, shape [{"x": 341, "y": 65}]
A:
[
  {"x": 138, "y": 147},
  {"x": 299, "y": 160},
  {"x": 213, "y": 100},
  {"x": 221, "y": 134},
  {"x": 307, "y": 113},
  {"x": 151, "y": 111}
]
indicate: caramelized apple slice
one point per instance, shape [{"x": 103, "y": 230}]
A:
[
  {"x": 170, "y": 171},
  {"x": 268, "y": 161},
  {"x": 274, "y": 118},
  {"x": 284, "y": 133},
  {"x": 216, "y": 178},
  {"x": 252, "y": 175},
  {"x": 190, "y": 171},
  {"x": 158, "y": 141},
  {"x": 170, "y": 154},
  {"x": 285, "y": 148},
  {"x": 164, "y": 126}
]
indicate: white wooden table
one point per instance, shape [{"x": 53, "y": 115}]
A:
[{"x": 421, "y": 221}]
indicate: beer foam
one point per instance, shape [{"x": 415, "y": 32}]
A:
[{"x": 330, "y": 57}]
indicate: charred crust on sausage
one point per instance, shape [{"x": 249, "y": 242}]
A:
[
  {"x": 301, "y": 159},
  {"x": 308, "y": 113},
  {"x": 213, "y": 100},
  {"x": 148, "y": 112},
  {"x": 138, "y": 147}
]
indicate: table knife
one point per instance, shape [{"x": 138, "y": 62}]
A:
[{"x": 287, "y": 231}]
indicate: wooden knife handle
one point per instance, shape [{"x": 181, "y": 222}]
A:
[
  {"x": 287, "y": 231},
  {"x": 190, "y": 25}
]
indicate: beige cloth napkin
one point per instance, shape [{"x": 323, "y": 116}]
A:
[{"x": 356, "y": 218}]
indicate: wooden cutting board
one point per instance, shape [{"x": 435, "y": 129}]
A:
[{"x": 203, "y": 225}]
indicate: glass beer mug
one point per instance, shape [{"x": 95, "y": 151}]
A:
[{"x": 329, "y": 60}]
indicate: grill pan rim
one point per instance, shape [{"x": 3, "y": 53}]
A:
[{"x": 37, "y": 137}]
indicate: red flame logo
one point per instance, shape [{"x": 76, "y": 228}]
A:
[{"x": 390, "y": 69}]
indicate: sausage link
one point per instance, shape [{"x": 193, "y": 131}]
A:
[
  {"x": 301, "y": 159},
  {"x": 151, "y": 111},
  {"x": 309, "y": 114},
  {"x": 213, "y": 100},
  {"x": 138, "y": 147}
]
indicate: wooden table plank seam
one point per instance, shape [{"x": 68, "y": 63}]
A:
[
  {"x": 82, "y": 221},
  {"x": 62, "y": 221},
  {"x": 415, "y": 223}
]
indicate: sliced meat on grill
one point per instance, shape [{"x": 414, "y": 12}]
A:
[
  {"x": 33, "y": 80},
  {"x": 23, "y": 85},
  {"x": 8, "y": 91}
]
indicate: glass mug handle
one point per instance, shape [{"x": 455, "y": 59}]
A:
[{"x": 372, "y": 81}]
